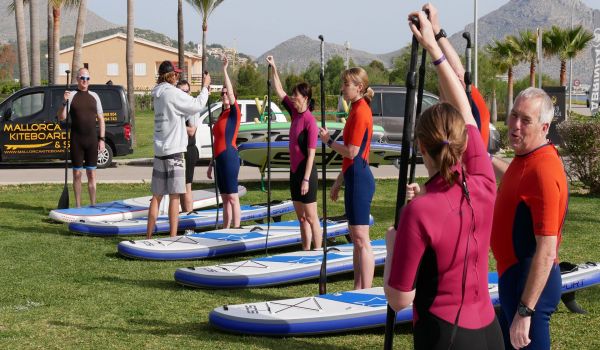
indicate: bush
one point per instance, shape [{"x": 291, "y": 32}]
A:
[
  {"x": 143, "y": 103},
  {"x": 503, "y": 131},
  {"x": 583, "y": 151},
  {"x": 8, "y": 87}
]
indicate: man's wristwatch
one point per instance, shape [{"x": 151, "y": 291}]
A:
[
  {"x": 101, "y": 138},
  {"x": 441, "y": 34},
  {"x": 524, "y": 311},
  {"x": 329, "y": 142},
  {"x": 65, "y": 103}
]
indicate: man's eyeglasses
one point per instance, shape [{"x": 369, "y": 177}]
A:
[{"x": 84, "y": 78}]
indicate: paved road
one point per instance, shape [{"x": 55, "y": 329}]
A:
[{"x": 139, "y": 171}]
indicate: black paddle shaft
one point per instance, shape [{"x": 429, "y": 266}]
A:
[
  {"x": 409, "y": 114},
  {"x": 468, "y": 80},
  {"x": 421, "y": 88},
  {"x": 268, "y": 158},
  {"x": 214, "y": 161},
  {"x": 323, "y": 272},
  {"x": 63, "y": 202}
]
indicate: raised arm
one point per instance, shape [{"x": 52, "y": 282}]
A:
[
  {"x": 228, "y": 86},
  {"x": 276, "y": 80},
  {"x": 449, "y": 82}
]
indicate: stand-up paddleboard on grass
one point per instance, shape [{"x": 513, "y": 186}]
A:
[
  {"x": 280, "y": 131},
  {"x": 275, "y": 269},
  {"x": 346, "y": 311},
  {"x": 187, "y": 221},
  {"x": 130, "y": 208},
  {"x": 255, "y": 154},
  {"x": 207, "y": 244}
]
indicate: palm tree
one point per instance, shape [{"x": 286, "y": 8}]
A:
[
  {"x": 205, "y": 8},
  {"x": 77, "y": 47},
  {"x": 526, "y": 47},
  {"x": 129, "y": 62},
  {"x": 505, "y": 56},
  {"x": 50, "y": 42},
  {"x": 57, "y": 5},
  {"x": 566, "y": 44},
  {"x": 180, "y": 45},
  {"x": 34, "y": 38},
  {"x": 19, "y": 11}
]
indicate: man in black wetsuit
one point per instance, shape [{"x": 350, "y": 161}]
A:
[{"x": 85, "y": 143}]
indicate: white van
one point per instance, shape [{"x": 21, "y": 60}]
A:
[{"x": 249, "y": 111}]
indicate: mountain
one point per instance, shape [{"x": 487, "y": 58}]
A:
[
  {"x": 295, "y": 54},
  {"x": 8, "y": 29},
  {"x": 518, "y": 15}
]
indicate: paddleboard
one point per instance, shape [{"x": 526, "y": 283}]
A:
[
  {"x": 130, "y": 208},
  {"x": 207, "y": 244},
  {"x": 280, "y": 131},
  {"x": 346, "y": 311},
  {"x": 255, "y": 154},
  {"x": 275, "y": 269},
  {"x": 187, "y": 221}
]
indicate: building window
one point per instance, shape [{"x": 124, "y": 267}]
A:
[
  {"x": 140, "y": 69},
  {"x": 112, "y": 69},
  {"x": 62, "y": 68}
]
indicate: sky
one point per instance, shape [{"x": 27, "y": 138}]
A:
[{"x": 255, "y": 26}]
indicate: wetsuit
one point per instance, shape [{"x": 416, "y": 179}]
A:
[
  {"x": 532, "y": 201},
  {"x": 480, "y": 109},
  {"x": 430, "y": 250},
  {"x": 303, "y": 136},
  {"x": 84, "y": 107},
  {"x": 227, "y": 160},
  {"x": 191, "y": 154},
  {"x": 358, "y": 179}
]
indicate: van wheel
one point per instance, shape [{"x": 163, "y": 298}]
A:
[{"x": 105, "y": 157}]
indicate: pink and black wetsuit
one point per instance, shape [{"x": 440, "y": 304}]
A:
[{"x": 430, "y": 250}]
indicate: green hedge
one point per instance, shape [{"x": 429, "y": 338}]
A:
[{"x": 583, "y": 151}]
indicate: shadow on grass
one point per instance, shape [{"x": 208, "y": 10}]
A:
[
  {"x": 148, "y": 283},
  {"x": 21, "y": 206}
]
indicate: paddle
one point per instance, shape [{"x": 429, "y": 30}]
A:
[
  {"x": 323, "y": 272},
  {"x": 63, "y": 202},
  {"x": 420, "y": 89},
  {"x": 468, "y": 81},
  {"x": 268, "y": 158},
  {"x": 409, "y": 113},
  {"x": 213, "y": 160}
]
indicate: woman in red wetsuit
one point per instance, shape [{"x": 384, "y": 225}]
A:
[
  {"x": 226, "y": 155},
  {"x": 438, "y": 257},
  {"x": 303, "y": 145},
  {"x": 356, "y": 174}
]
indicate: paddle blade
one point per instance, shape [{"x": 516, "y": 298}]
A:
[{"x": 63, "y": 202}]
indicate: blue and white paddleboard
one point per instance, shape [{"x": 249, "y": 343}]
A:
[
  {"x": 255, "y": 154},
  {"x": 130, "y": 208},
  {"x": 187, "y": 221},
  {"x": 275, "y": 269},
  {"x": 345, "y": 311},
  {"x": 223, "y": 242}
]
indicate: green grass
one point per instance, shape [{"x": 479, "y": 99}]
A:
[
  {"x": 144, "y": 125},
  {"x": 67, "y": 291}
]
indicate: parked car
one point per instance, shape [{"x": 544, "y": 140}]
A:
[
  {"x": 388, "y": 111},
  {"x": 29, "y": 129},
  {"x": 249, "y": 112}
]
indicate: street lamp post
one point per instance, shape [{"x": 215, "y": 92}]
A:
[
  {"x": 475, "y": 40},
  {"x": 570, "y": 69}
]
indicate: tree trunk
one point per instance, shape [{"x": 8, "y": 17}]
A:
[
  {"x": 50, "y": 42},
  {"x": 563, "y": 73},
  {"x": 129, "y": 62},
  {"x": 532, "y": 72},
  {"x": 494, "y": 114},
  {"x": 509, "y": 98},
  {"x": 22, "y": 43},
  {"x": 180, "y": 43},
  {"x": 56, "y": 46},
  {"x": 77, "y": 47},
  {"x": 204, "y": 29},
  {"x": 34, "y": 21}
]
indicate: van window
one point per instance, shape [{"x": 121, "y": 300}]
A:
[
  {"x": 428, "y": 101},
  {"x": 251, "y": 112},
  {"x": 110, "y": 99},
  {"x": 393, "y": 104},
  {"x": 376, "y": 104},
  {"x": 27, "y": 105},
  {"x": 215, "y": 115}
]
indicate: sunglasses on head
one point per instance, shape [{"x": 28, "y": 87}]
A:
[{"x": 84, "y": 78}]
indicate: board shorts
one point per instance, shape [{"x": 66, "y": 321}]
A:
[
  {"x": 296, "y": 180},
  {"x": 358, "y": 194},
  {"x": 511, "y": 285},
  {"x": 168, "y": 175},
  {"x": 227, "y": 170},
  {"x": 431, "y": 332},
  {"x": 191, "y": 158},
  {"x": 84, "y": 153}
]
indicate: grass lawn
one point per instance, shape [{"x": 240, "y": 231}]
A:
[
  {"x": 144, "y": 125},
  {"x": 66, "y": 291}
]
